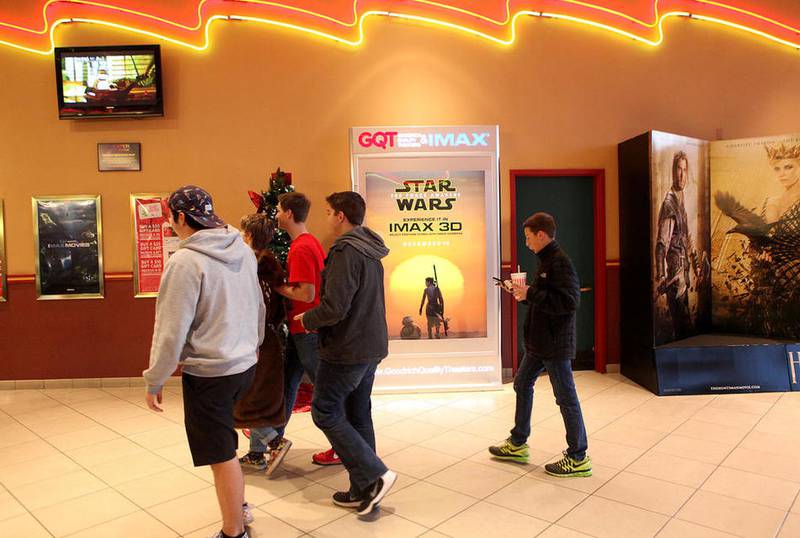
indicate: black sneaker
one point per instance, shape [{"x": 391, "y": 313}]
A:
[
  {"x": 220, "y": 535},
  {"x": 377, "y": 492},
  {"x": 346, "y": 499},
  {"x": 569, "y": 466}
]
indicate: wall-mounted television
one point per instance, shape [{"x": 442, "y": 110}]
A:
[{"x": 109, "y": 82}]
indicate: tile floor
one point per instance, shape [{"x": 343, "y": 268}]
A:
[{"x": 95, "y": 462}]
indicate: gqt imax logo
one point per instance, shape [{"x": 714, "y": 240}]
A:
[{"x": 392, "y": 139}]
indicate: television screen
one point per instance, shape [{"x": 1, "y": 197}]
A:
[{"x": 109, "y": 81}]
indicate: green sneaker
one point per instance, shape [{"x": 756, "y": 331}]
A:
[
  {"x": 509, "y": 451},
  {"x": 568, "y": 466}
]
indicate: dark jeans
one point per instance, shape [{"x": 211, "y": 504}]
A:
[
  {"x": 560, "y": 372},
  {"x": 302, "y": 355},
  {"x": 342, "y": 409}
]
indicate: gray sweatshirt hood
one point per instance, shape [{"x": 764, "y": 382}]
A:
[
  {"x": 219, "y": 244},
  {"x": 364, "y": 240}
]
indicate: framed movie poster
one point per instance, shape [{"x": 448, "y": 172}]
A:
[
  {"x": 432, "y": 194},
  {"x": 3, "y": 270},
  {"x": 154, "y": 241},
  {"x": 69, "y": 257}
]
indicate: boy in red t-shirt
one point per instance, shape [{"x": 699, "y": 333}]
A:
[{"x": 304, "y": 268}]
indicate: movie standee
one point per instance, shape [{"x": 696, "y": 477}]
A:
[{"x": 432, "y": 195}]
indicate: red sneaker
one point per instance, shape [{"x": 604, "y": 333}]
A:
[{"x": 328, "y": 457}]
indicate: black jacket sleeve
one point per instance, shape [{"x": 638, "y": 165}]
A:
[
  {"x": 560, "y": 294},
  {"x": 340, "y": 286}
]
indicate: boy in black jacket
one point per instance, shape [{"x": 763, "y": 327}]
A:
[
  {"x": 351, "y": 319},
  {"x": 549, "y": 335}
]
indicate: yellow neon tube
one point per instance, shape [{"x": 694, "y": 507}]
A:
[
  {"x": 112, "y": 8},
  {"x": 510, "y": 20}
]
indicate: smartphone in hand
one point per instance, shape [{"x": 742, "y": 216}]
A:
[{"x": 504, "y": 284}]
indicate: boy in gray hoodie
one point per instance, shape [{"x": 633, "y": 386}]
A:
[{"x": 209, "y": 320}]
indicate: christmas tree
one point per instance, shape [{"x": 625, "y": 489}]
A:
[{"x": 280, "y": 182}]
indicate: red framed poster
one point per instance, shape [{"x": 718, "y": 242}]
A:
[{"x": 154, "y": 242}]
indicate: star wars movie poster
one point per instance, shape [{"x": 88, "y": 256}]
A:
[
  {"x": 69, "y": 263},
  {"x": 154, "y": 242},
  {"x": 755, "y": 235},
  {"x": 436, "y": 269},
  {"x": 679, "y": 244}
]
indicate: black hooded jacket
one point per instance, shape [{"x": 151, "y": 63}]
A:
[
  {"x": 552, "y": 301},
  {"x": 351, "y": 316}
]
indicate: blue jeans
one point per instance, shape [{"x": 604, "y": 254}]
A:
[
  {"x": 342, "y": 409},
  {"x": 302, "y": 355},
  {"x": 261, "y": 437},
  {"x": 560, "y": 372}
]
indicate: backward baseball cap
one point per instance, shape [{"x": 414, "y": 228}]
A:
[{"x": 196, "y": 203}]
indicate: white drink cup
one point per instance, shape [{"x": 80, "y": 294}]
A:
[{"x": 519, "y": 278}]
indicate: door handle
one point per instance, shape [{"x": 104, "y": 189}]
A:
[{"x": 584, "y": 290}]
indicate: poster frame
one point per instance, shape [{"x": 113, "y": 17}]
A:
[
  {"x": 493, "y": 252},
  {"x": 96, "y": 198},
  {"x": 3, "y": 261},
  {"x": 137, "y": 292}
]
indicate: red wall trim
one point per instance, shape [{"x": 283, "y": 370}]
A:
[
  {"x": 28, "y": 279},
  {"x": 75, "y": 339},
  {"x": 600, "y": 303}
]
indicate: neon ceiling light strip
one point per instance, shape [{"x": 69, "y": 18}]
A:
[
  {"x": 656, "y": 10},
  {"x": 312, "y": 31},
  {"x": 328, "y": 18},
  {"x": 206, "y": 43},
  {"x": 363, "y": 18},
  {"x": 111, "y": 8},
  {"x": 510, "y": 19},
  {"x": 747, "y": 29},
  {"x": 359, "y": 21},
  {"x": 624, "y": 33},
  {"x": 749, "y": 14},
  {"x": 47, "y": 52}
]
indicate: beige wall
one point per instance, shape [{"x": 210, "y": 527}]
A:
[{"x": 564, "y": 96}]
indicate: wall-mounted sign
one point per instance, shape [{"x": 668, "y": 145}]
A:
[
  {"x": 432, "y": 194},
  {"x": 69, "y": 257},
  {"x": 122, "y": 157},
  {"x": 154, "y": 241}
]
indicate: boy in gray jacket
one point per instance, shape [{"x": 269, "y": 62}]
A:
[
  {"x": 351, "y": 319},
  {"x": 209, "y": 320}
]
